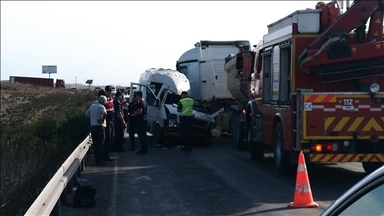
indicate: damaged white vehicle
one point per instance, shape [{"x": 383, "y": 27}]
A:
[{"x": 161, "y": 90}]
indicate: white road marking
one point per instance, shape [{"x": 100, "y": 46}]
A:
[
  {"x": 112, "y": 206},
  {"x": 143, "y": 178}
]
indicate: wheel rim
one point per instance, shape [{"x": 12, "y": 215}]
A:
[{"x": 278, "y": 149}]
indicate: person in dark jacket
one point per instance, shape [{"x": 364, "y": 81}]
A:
[
  {"x": 119, "y": 123},
  {"x": 141, "y": 121},
  {"x": 132, "y": 123}
]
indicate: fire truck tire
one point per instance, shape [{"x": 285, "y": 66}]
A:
[
  {"x": 282, "y": 157},
  {"x": 256, "y": 148},
  {"x": 371, "y": 166},
  {"x": 158, "y": 135}
]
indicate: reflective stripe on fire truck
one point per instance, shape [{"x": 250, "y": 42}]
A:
[
  {"x": 352, "y": 124},
  {"x": 320, "y": 98},
  {"x": 347, "y": 158},
  {"x": 334, "y": 108}
]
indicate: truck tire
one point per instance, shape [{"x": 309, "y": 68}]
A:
[
  {"x": 158, "y": 135},
  {"x": 282, "y": 157},
  {"x": 232, "y": 123},
  {"x": 239, "y": 131},
  {"x": 371, "y": 166},
  {"x": 256, "y": 148}
]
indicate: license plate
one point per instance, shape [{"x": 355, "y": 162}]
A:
[{"x": 379, "y": 100}]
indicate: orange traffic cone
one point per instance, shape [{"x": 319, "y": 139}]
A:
[{"x": 303, "y": 194}]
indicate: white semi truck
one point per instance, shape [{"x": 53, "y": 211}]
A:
[
  {"x": 204, "y": 68},
  {"x": 161, "y": 90}
]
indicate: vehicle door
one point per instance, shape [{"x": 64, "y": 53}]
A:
[
  {"x": 152, "y": 101},
  {"x": 365, "y": 198}
]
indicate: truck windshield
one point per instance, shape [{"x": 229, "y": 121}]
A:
[{"x": 172, "y": 98}]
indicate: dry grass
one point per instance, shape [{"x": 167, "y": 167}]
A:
[{"x": 39, "y": 129}]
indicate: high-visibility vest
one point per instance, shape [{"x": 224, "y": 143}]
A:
[{"x": 186, "y": 106}]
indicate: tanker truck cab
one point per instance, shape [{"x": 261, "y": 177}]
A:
[
  {"x": 204, "y": 67},
  {"x": 161, "y": 90}
]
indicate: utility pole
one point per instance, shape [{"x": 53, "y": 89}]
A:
[{"x": 76, "y": 82}]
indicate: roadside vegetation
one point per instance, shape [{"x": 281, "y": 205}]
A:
[{"x": 40, "y": 127}]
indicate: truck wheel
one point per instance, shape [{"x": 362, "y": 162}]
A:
[
  {"x": 158, "y": 135},
  {"x": 234, "y": 129},
  {"x": 239, "y": 131},
  {"x": 257, "y": 148},
  {"x": 371, "y": 166},
  {"x": 281, "y": 156},
  {"x": 232, "y": 123}
]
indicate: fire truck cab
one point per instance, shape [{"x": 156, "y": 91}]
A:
[{"x": 314, "y": 84}]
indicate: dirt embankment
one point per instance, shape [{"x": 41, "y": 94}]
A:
[{"x": 39, "y": 128}]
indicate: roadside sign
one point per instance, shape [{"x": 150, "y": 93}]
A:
[
  {"x": 89, "y": 82},
  {"x": 49, "y": 69}
]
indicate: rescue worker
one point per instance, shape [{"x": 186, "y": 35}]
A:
[
  {"x": 185, "y": 108},
  {"x": 109, "y": 130},
  {"x": 98, "y": 115},
  {"x": 119, "y": 123},
  {"x": 141, "y": 121},
  {"x": 132, "y": 123}
]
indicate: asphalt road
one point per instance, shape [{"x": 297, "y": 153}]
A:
[{"x": 215, "y": 180}]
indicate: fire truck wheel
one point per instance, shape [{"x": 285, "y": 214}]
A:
[
  {"x": 281, "y": 156},
  {"x": 371, "y": 166},
  {"x": 257, "y": 148},
  {"x": 158, "y": 134}
]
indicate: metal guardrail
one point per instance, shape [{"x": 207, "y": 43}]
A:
[{"x": 49, "y": 198}]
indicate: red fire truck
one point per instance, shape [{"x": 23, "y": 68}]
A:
[{"x": 313, "y": 85}]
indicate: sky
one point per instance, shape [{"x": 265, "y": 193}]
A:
[{"x": 113, "y": 42}]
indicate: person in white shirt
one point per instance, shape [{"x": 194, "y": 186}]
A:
[{"x": 98, "y": 115}]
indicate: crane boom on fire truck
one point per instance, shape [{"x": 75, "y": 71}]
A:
[{"x": 336, "y": 57}]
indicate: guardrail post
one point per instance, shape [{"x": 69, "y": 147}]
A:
[
  {"x": 74, "y": 179},
  {"x": 79, "y": 169},
  {"x": 82, "y": 165},
  {"x": 85, "y": 159}
]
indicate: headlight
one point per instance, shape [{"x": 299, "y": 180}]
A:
[
  {"x": 374, "y": 88},
  {"x": 172, "y": 123}
]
